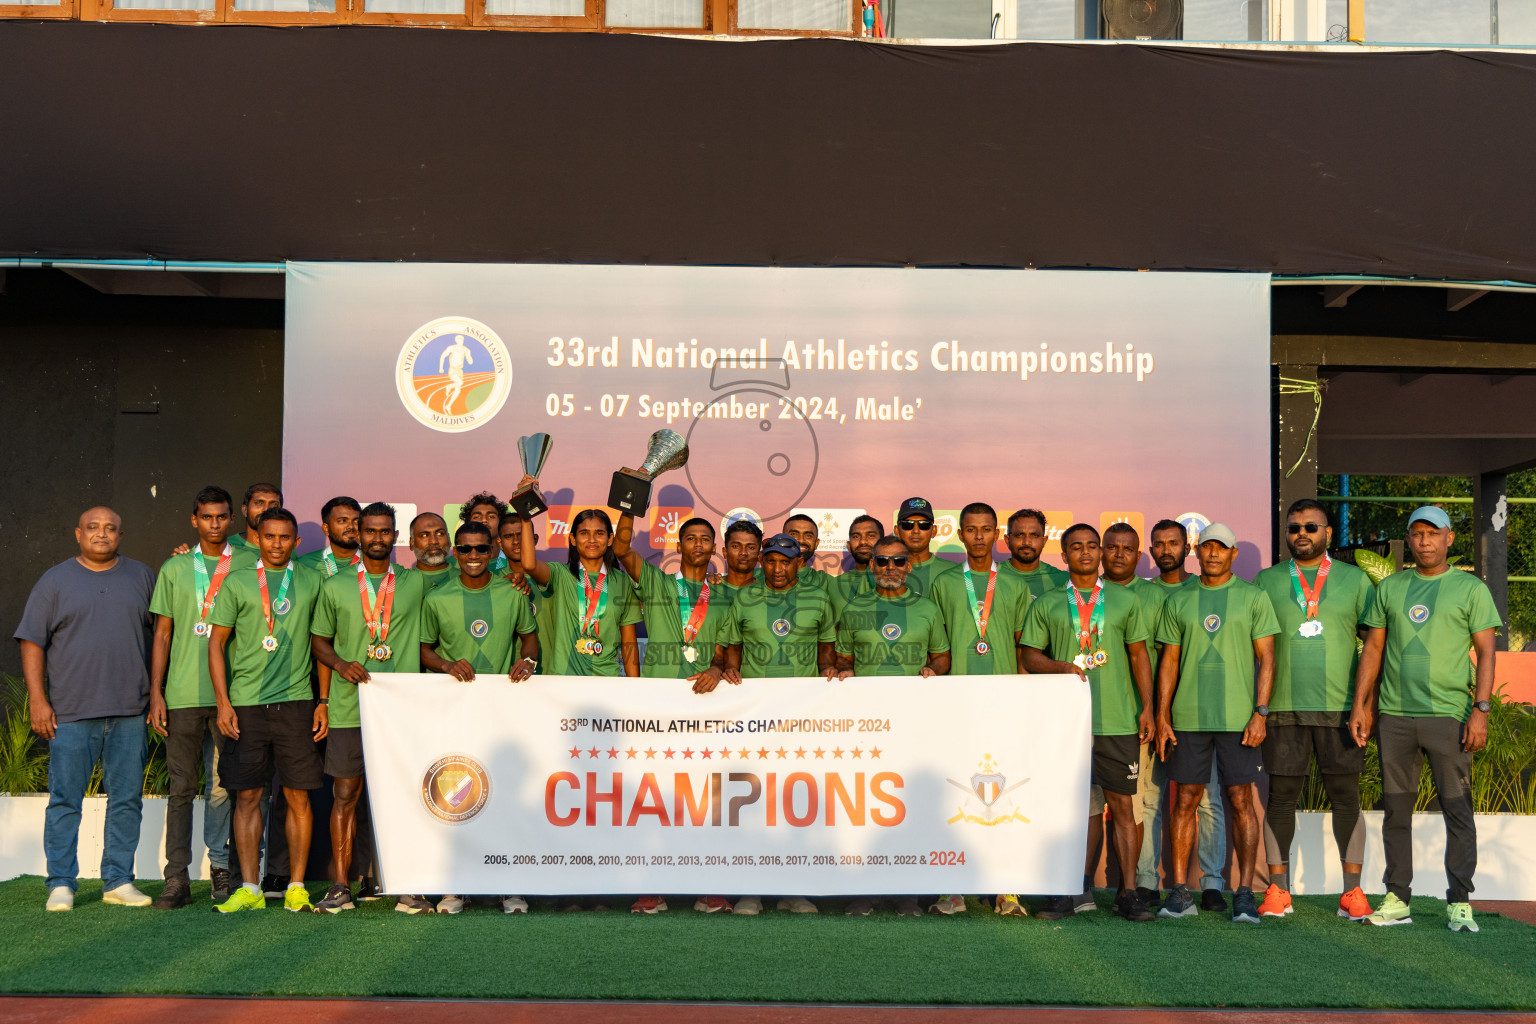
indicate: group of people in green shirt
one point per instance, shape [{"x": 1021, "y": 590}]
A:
[{"x": 1205, "y": 680}]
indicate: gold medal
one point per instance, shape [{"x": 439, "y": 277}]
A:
[
  {"x": 690, "y": 653},
  {"x": 269, "y": 643},
  {"x": 381, "y": 653}
]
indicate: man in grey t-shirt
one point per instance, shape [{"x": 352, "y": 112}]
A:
[{"x": 86, "y": 631}]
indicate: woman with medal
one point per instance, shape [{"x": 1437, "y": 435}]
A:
[
  {"x": 592, "y": 605},
  {"x": 1097, "y": 633}
]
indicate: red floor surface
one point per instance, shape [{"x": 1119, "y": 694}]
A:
[{"x": 133, "y": 1010}]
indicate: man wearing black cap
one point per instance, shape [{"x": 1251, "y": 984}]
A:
[
  {"x": 1422, "y": 624},
  {"x": 1211, "y": 706},
  {"x": 914, "y": 525}
]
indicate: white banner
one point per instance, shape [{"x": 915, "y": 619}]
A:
[{"x": 566, "y": 785}]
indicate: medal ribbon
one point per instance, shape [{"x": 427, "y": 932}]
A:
[
  {"x": 597, "y": 600},
  {"x": 208, "y": 591},
  {"x": 377, "y": 614},
  {"x": 266, "y": 600},
  {"x": 695, "y": 618},
  {"x": 331, "y": 568},
  {"x": 1308, "y": 597},
  {"x": 1090, "y": 615},
  {"x": 981, "y": 611}
]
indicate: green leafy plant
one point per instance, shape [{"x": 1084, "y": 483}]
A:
[
  {"x": 1377, "y": 567},
  {"x": 23, "y": 760}
]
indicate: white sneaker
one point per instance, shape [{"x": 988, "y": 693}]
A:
[
  {"x": 450, "y": 904},
  {"x": 797, "y": 905},
  {"x": 949, "y": 905},
  {"x": 514, "y": 905},
  {"x": 126, "y": 895},
  {"x": 751, "y": 906},
  {"x": 60, "y": 897}
]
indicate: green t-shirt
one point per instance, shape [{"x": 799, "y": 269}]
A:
[
  {"x": 187, "y": 683},
  {"x": 478, "y": 626},
  {"x": 779, "y": 630},
  {"x": 315, "y": 561},
  {"x": 844, "y": 588},
  {"x": 563, "y": 606},
  {"x": 1042, "y": 579},
  {"x": 238, "y": 542},
  {"x": 1214, "y": 629},
  {"x": 1052, "y": 625},
  {"x": 1010, "y": 602},
  {"x": 815, "y": 577},
  {"x": 339, "y": 617},
  {"x": 664, "y": 619},
  {"x": 920, "y": 579},
  {"x": 1316, "y": 673},
  {"x": 256, "y": 676},
  {"x": 435, "y": 578},
  {"x": 1429, "y": 622},
  {"x": 890, "y": 636}
]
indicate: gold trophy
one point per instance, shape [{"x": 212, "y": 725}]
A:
[
  {"x": 534, "y": 451},
  {"x": 631, "y": 489}
]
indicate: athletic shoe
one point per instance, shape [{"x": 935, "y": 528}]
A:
[
  {"x": 1083, "y": 903},
  {"x": 797, "y": 905},
  {"x": 177, "y": 893},
  {"x": 273, "y": 888},
  {"x": 337, "y": 898},
  {"x": 1056, "y": 908},
  {"x": 1277, "y": 902},
  {"x": 1354, "y": 905},
  {"x": 1212, "y": 900},
  {"x": 60, "y": 897},
  {"x": 649, "y": 905},
  {"x": 751, "y": 906},
  {"x": 712, "y": 905},
  {"x": 222, "y": 884},
  {"x": 514, "y": 905},
  {"x": 242, "y": 899},
  {"x": 369, "y": 890},
  {"x": 1179, "y": 903},
  {"x": 450, "y": 904},
  {"x": 126, "y": 895},
  {"x": 1130, "y": 906},
  {"x": 948, "y": 905},
  {"x": 1392, "y": 911},
  {"x": 861, "y": 907},
  {"x": 1009, "y": 906},
  {"x": 1243, "y": 909},
  {"x": 1461, "y": 917},
  {"x": 1149, "y": 897},
  {"x": 296, "y": 899},
  {"x": 414, "y": 905},
  {"x": 907, "y": 906}
]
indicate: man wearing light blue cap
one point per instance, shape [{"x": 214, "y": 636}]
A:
[{"x": 1426, "y": 620}]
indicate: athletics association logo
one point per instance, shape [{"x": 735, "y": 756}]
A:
[
  {"x": 455, "y": 788},
  {"x": 984, "y": 797},
  {"x": 478, "y": 629},
  {"x": 891, "y": 631},
  {"x": 454, "y": 374},
  {"x": 1193, "y": 523},
  {"x": 1212, "y": 623},
  {"x": 1418, "y": 613}
]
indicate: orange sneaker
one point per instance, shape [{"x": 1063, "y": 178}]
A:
[
  {"x": 1277, "y": 902},
  {"x": 1354, "y": 905}
]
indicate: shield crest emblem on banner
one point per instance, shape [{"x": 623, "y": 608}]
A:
[
  {"x": 455, "y": 788},
  {"x": 988, "y": 787}
]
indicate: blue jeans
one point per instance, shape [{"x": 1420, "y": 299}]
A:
[
  {"x": 1213, "y": 826},
  {"x": 122, "y": 747}
]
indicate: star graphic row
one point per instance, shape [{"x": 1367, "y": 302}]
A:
[{"x": 705, "y": 753}]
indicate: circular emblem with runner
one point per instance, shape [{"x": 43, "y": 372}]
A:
[
  {"x": 453, "y": 374},
  {"x": 455, "y": 788},
  {"x": 781, "y": 627},
  {"x": 890, "y": 631},
  {"x": 1212, "y": 623},
  {"x": 1418, "y": 613},
  {"x": 479, "y": 628}
]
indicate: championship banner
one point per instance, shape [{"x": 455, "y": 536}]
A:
[
  {"x": 1095, "y": 397},
  {"x": 567, "y": 785}
]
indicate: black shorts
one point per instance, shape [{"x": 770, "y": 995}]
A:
[
  {"x": 1189, "y": 760},
  {"x": 1117, "y": 763},
  {"x": 344, "y": 753},
  {"x": 272, "y": 734},
  {"x": 1288, "y": 750}
]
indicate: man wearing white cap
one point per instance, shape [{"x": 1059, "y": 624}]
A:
[
  {"x": 1426, "y": 620},
  {"x": 1214, "y": 682}
]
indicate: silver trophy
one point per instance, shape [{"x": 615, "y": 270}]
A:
[
  {"x": 631, "y": 490},
  {"x": 534, "y": 451}
]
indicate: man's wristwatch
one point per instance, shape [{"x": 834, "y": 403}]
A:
[
  {"x": 322, "y": 700},
  {"x": 1482, "y": 705},
  {"x": 1262, "y": 710}
]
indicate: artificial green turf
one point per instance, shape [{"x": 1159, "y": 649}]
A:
[{"x": 1312, "y": 958}]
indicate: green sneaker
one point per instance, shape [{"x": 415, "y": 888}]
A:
[
  {"x": 1391, "y": 911},
  {"x": 296, "y": 899},
  {"x": 242, "y": 899},
  {"x": 1461, "y": 917}
]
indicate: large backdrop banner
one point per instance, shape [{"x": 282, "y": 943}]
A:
[
  {"x": 577, "y": 785},
  {"x": 1092, "y": 396}
]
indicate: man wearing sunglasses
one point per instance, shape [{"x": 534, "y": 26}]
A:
[
  {"x": 1320, "y": 605},
  {"x": 1026, "y": 540},
  {"x": 914, "y": 528},
  {"x": 470, "y": 626}
]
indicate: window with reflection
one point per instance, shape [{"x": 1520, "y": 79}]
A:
[
  {"x": 795, "y": 15},
  {"x": 654, "y": 14}
]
